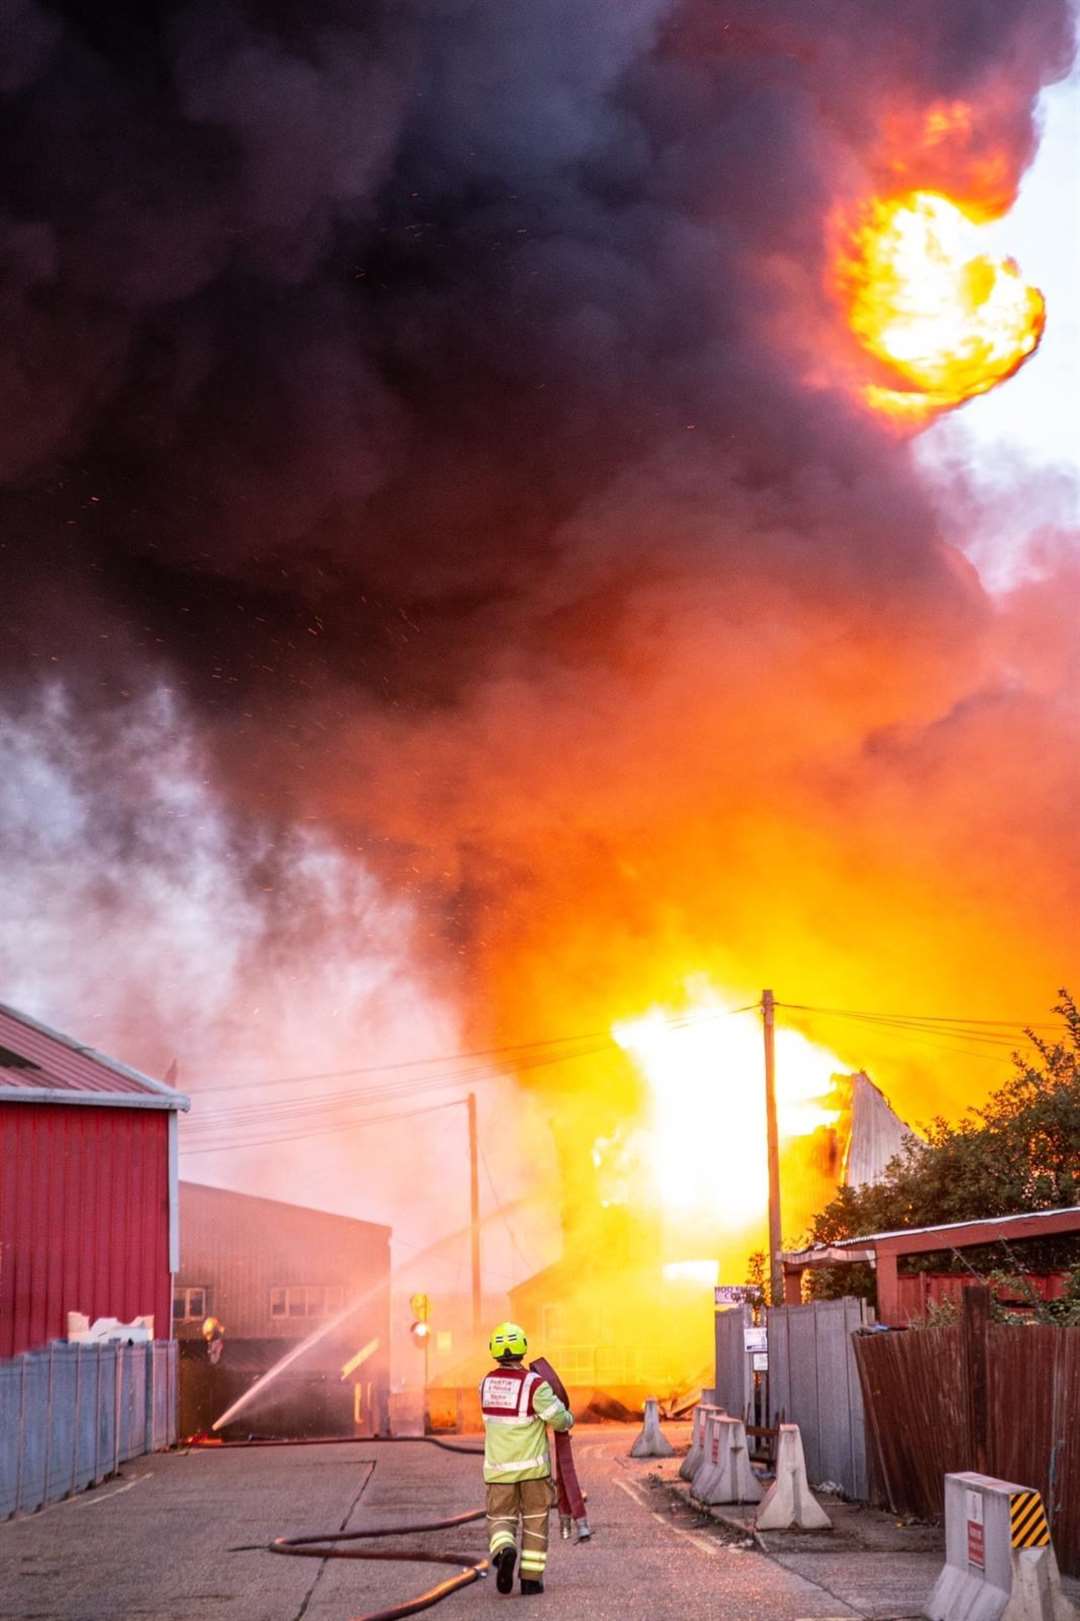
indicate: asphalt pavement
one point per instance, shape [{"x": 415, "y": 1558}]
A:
[{"x": 161, "y": 1545}]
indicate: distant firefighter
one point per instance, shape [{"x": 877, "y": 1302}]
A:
[
  {"x": 518, "y": 1405},
  {"x": 213, "y": 1332}
]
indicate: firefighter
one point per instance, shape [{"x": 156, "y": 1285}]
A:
[{"x": 518, "y": 1405}]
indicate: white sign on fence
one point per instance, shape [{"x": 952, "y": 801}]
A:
[
  {"x": 755, "y": 1339},
  {"x": 730, "y": 1294}
]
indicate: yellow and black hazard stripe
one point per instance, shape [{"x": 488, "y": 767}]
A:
[{"x": 1027, "y": 1519}]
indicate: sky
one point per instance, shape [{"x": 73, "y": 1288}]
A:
[{"x": 1021, "y": 442}]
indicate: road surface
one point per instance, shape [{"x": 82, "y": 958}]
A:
[{"x": 157, "y": 1545}]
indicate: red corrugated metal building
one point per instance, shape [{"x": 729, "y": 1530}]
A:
[{"x": 89, "y": 1208}]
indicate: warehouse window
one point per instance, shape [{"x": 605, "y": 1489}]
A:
[
  {"x": 189, "y": 1304},
  {"x": 305, "y": 1300},
  {"x": 576, "y": 1363}
]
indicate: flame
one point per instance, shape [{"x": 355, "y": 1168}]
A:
[
  {"x": 706, "y": 1139},
  {"x": 946, "y": 320},
  {"x": 946, "y": 147}
]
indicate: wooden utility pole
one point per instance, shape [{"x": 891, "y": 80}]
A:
[
  {"x": 474, "y": 1215},
  {"x": 776, "y": 1270}
]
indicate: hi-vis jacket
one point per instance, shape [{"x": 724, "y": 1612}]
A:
[{"x": 517, "y": 1405}]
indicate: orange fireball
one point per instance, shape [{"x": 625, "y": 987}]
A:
[{"x": 945, "y": 319}]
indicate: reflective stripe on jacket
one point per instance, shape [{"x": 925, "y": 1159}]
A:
[{"x": 517, "y": 1406}]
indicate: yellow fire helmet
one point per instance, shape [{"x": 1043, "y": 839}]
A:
[{"x": 508, "y": 1342}]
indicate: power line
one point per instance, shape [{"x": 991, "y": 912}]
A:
[
  {"x": 921, "y": 1018},
  {"x": 300, "y": 1136},
  {"x": 677, "y": 1021},
  {"x": 939, "y": 1032},
  {"x": 403, "y": 1064},
  {"x": 331, "y": 1108},
  {"x": 948, "y": 1033},
  {"x": 411, "y": 1087}
]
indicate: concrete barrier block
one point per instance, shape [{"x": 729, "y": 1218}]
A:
[
  {"x": 710, "y": 1455},
  {"x": 789, "y": 1500},
  {"x": 652, "y": 1442},
  {"x": 725, "y": 1474},
  {"x": 692, "y": 1462},
  {"x": 999, "y": 1560}
]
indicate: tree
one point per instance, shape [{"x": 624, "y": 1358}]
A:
[{"x": 1020, "y": 1151}]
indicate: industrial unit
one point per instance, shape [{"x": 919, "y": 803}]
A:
[
  {"x": 89, "y": 1217},
  {"x": 270, "y": 1275}
]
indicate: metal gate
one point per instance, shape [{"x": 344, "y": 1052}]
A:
[
  {"x": 734, "y": 1372},
  {"x": 814, "y": 1383}
]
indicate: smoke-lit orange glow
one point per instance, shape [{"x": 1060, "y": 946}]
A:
[
  {"x": 711, "y": 1070},
  {"x": 944, "y": 147},
  {"x": 946, "y": 320}
]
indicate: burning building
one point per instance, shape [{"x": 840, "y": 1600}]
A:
[
  {"x": 875, "y": 1134},
  {"x": 462, "y": 518}
]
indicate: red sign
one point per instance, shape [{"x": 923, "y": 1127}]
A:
[
  {"x": 976, "y": 1539},
  {"x": 976, "y": 1545}
]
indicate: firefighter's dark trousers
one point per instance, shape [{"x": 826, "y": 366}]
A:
[{"x": 530, "y": 1502}]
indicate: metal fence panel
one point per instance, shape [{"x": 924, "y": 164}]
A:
[
  {"x": 813, "y": 1382},
  {"x": 133, "y": 1401},
  {"x": 163, "y": 1395},
  {"x": 71, "y": 1414},
  {"x": 841, "y": 1421},
  {"x": 11, "y": 1376},
  {"x": 84, "y": 1419},
  {"x": 734, "y": 1378},
  {"x": 30, "y": 1464}
]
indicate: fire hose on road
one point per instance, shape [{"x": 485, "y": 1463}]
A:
[{"x": 323, "y": 1544}]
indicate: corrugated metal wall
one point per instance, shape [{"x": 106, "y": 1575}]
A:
[
  {"x": 239, "y": 1247},
  {"x": 734, "y": 1376},
  {"x": 916, "y": 1391},
  {"x": 814, "y": 1382},
  {"x": 84, "y": 1219}
]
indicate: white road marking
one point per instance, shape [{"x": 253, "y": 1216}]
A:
[
  {"x": 92, "y": 1502},
  {"x": 703, "y": 1544},
  {"x": 82, "y": 1501}
]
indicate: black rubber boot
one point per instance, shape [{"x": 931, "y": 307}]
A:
[
  {"x": 528, "y": 1588},
  {"x": 505, "y": 1560}
]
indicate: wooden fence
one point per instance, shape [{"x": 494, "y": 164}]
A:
[{"x": 1000, "y": 1398}]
